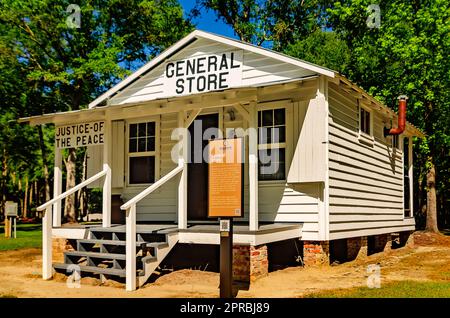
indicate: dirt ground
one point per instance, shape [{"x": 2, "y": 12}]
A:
[{"x": 428, "y": 260}]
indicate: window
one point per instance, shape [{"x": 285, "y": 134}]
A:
[
  {"x": 364, "y": 121},
  {"x": 141, "y": 152},
  {"x": 395, "y": 141},
  {"x": 272, "y": 144}
]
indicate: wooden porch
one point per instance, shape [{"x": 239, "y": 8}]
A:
[{"x": 194, "y": 233}]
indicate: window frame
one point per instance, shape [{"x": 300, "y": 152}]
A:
[
  {"x": 155, "y": 153},
  {"x": 363, "y": 137},
  {"x": 288, "y": 106},
  {"x": 369, "y": 111},
  {"x": 399, "y": 145}
]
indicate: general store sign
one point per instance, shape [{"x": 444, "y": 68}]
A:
[
  {"x": 80, "y": 135},
  {"x": 203, "y": 73}
]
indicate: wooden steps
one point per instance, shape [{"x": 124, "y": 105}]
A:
[{"x": 104, "y": 253}]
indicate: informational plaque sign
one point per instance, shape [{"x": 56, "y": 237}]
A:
[
  {"x": 80, "y": 135},
  {"x": 226, "y": 178},
  {"x": 11, "y": 208}
]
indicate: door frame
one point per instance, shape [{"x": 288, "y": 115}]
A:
[{"x": 208, "y": 111}]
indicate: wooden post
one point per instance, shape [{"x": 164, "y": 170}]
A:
[
  {"x": 253, "y": 167},
  {"x": 57, "y": 188},
  {"x": 182, "y": 185},
  {"x": 106, "y": 212},
  {"x": 47, "y": 269},
  {"x": 7, "y": 227},
  {"x": 131, "y": 248}
]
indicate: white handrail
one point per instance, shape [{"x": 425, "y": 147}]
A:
[
  {"x": 130, "y": 227},
  {"x": 72, "y": 190},
  {"x": 152, "y": 188}
]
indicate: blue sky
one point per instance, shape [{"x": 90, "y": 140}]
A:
[{"x": 208, "y": 21}]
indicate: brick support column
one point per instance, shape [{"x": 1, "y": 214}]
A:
[
  {"x": 316, "y": 253},
  {"x": 356, "y": 247},
  {"x": 388, "y": 245},
  {"x": 380, "y": 243},
  {"x": 250, "y": 262},
  {"x": 59, "y": 246},
  {"x": 407, "y": 239}
]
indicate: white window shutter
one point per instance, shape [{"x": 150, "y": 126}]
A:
[{"x": 118, "y": 154}]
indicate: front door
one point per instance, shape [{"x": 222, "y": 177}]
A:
[{"x": 198, "y": 168}]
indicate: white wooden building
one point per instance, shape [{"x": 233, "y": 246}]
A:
[{"x": 339, "y": 176}]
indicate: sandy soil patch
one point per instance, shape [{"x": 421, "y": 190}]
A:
[{"x": 428, "y": 260}]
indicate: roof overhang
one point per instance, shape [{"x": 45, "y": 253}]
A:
[
  {"x": 227, "y": 97},
  {"x": 371, "y": 102}
]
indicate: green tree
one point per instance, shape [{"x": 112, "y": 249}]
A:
[
  {"x": 324, "y": 48},
  {"x": 276, "y": 22},
  {"x": 407, "y": 54},
  {"x": 68, "y": 64}
]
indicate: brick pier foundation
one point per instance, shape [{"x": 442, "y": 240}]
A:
[
  {"x": 250, "y": 262},
  {"x": 356, "y": 247},
  {"x": 59, "y": 246},
  {"x": 316, "y": 253}
]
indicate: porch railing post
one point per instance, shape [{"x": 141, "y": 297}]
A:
[
  {"x": 253, "y": 167},
  {"x": 130, "y": 257},
  {"x": 106, "y": 211},
  {"x": 57, "y": 187},
  {"x": 182, "y": 185},
  {"x": 47, "y": 269}
]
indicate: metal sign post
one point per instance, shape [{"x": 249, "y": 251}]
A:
[{"x": 226, "y": 258}]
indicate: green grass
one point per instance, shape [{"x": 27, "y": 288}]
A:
[
  {"x": 401, "y": 289},
  {"x": 28, "y": 235}
]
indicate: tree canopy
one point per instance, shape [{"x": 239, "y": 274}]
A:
[{"x": 57, "y": 56}]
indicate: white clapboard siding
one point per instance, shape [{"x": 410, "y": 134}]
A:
[
  {"x": 94, "y": 165},
  {"x": 291, "y": 203},
  {"x": 257, "y": 69},
  {"x": 95, "y": 159},
  {"x": 160, "y": 205},
  {"x": 366, "y": 182},
  {"x": 384, "y": 227}
]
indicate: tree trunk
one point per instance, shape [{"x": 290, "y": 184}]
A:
[
  {"x": 25, "y": 199},
  {"x": 30, "y": 196},
  {"x": 82, "y": 191},
  {"x": 3, "y": 181},
  {"x": 44, "y": 162},
  {"x": 36, "y": 194},
  {"x": 70, "y": 214},
  {"x": 431, "y": 225}
]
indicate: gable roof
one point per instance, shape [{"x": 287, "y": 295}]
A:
[
  {"x": 199, "y": 35},
  {"x": 195, "y": 35}
]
